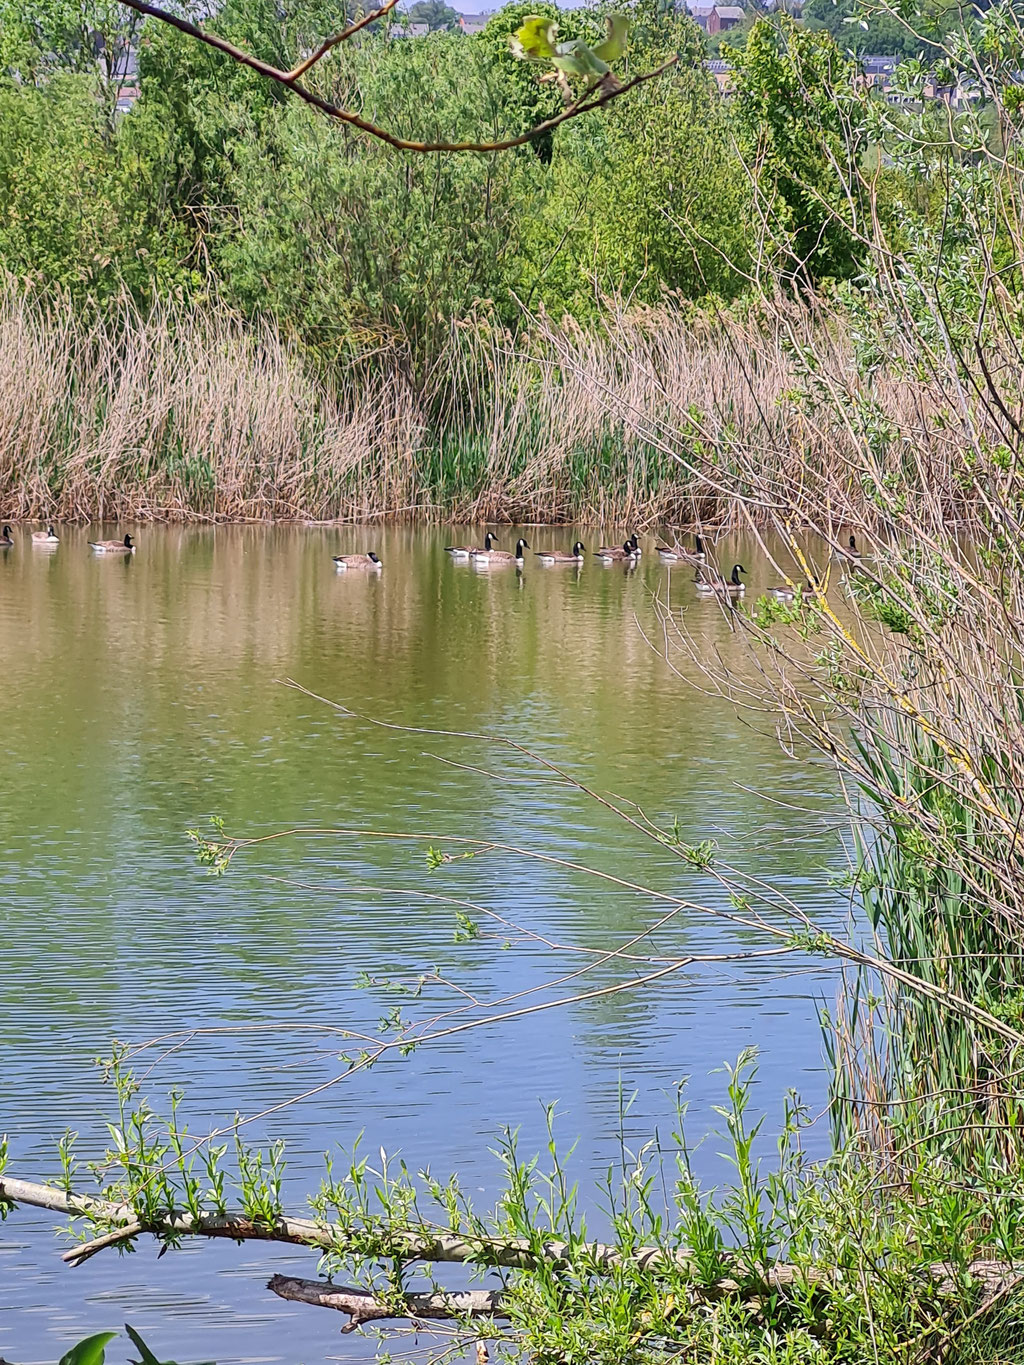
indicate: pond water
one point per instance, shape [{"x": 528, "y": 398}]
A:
[{"x": 141, "y": 696}]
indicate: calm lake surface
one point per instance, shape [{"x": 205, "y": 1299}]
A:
[{"x": 139, "y": 697}]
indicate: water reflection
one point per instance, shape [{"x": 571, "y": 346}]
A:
[{"x": 142, "y": 694}]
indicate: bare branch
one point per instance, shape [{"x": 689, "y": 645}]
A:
[
  {"x": 406, "y": 1243},
  {"x": 739, "y": 1279},
  {"x": 77, "y": 1255}
]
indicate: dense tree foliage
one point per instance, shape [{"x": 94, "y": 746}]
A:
[
  {"x": 434, "y": 13},
  {"x": 217, "y": 184},
  {"x": 855, "y": 31},
  {"x": 799, "y": 117}
]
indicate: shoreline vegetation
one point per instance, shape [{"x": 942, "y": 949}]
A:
[{"x": 187, "y": 415}]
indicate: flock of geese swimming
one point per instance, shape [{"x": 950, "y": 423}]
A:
[
  {"x": 627, "y": 554},
  {"x": 490, "y": 555},
  {"x": 708, "y": 580},
  {"x": 49, "y": 540}
]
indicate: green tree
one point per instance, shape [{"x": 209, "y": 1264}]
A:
[
  {"x": 65, "y": 35},
  {"x": 218, "y": 183},
  {"x": 82, "y": 209},
  {"x": 354, "y": 246},
  {"x": 648, "y": 195},
  {"x": 863, "y": 31},
  {"x": 800, "y": 122},
  {"x": 434, "y": 13}
]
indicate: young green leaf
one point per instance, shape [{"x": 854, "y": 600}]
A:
[
  {"x": 88, "y": 1351},
  {"x": 534, "y": 40}
]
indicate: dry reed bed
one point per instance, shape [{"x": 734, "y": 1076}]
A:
[{"x": 181, "y": 415}]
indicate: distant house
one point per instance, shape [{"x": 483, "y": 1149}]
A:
[
  {"x": 121, "y": 64},
  {"x": 700, "y": 14},
  {"x": 472, "y": 23},
  {"x": 959, "y": 96},
  {"x": 724, "y": 17},
  {"x": 120, "y": 61},
  {"x": 878, "y": 71},
  {"x": 410, "y": 30},
  {"x": 126, "y": 97},
  {"x": 721, "y": 70},
  {"x": 878, "y": 75}
]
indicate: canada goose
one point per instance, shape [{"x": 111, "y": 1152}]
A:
[
  {"x": 731, "y": 587},
  {"x": 6, "y": 540},
  {"x": 671, "y": 554},
  {"x": 481, "y": 558},
  {"x": 629, "y": 549},
  {"x": 557, "y": 557},
  {"x": 367, "y": 561},
  {"x": 465, "y": 551},
  {"x": 615, "y": 554},
  {"x": 785, "y": 592},
  {"x": 848, "y": 553},
  {"x": 113, "y": 547},
  {"x": 47, "y": 537}
]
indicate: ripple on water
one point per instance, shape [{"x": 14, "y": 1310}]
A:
[{"x": 142, "y": 697}]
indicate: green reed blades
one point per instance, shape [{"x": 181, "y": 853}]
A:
[{"x": 932, "y": 877}]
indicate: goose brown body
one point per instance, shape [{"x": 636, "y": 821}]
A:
[
  {"x": 675, "y": 553},
  {"x": 113, "y": 547},
  {"x": 575, "y": 556},
  {"x": 726, "y": 587},
  {"x": 628, "y": 550},
  {"x": 370, "y": 560},
  {"x": 467, "y": 551},
  {"x": 483, "y": 558}
]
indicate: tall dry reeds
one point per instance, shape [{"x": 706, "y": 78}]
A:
[{"x": 180, "y": 414}]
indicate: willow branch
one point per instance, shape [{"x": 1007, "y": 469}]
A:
[
  {"x": 593, "y": 98},
  {"x": 363, "y": 1306},
  {"x": 77, "y": 1255}
]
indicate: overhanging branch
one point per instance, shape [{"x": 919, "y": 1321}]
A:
[
  {"x": 594, "y": 97},
  {"x": 992, "y": 1279},
  {"x": 397, "y": 1242},
  {"x": 341, "y": 37}
]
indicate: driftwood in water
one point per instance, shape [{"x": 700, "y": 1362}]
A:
[{"x": 362, "y": 1306}]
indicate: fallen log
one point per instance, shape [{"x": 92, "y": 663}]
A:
[
  {"x": 363, "y": 1306},
  {"x": 398, "y": 1243},
  {"x": 992, "y": 1277}
]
